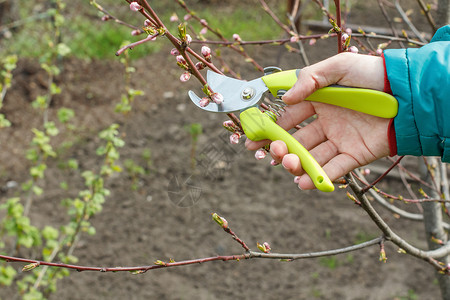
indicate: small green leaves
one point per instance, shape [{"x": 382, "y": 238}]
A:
[
  {"x": 265, "y": 247},
  {"x": 219, "y": 220},
  {"x": 160, "y": 263},
  {"x": 30, "y": 267}
]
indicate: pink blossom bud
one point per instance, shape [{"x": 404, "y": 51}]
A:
[
  {"x": 181, "y": 60},
  {"x": 229, "y": 125},
  {"x": 274, "y": 163},
  {"x": 187, "y": 17},
  {"x": 312, "y": 42},
  {"x": 296, "y": 179},
  {"x": 260, "y": 154},
  {"x": 379, "y": 51},
  {"x": 265, "y": 247},
  {"x": 353, "y": 49},
  {"x": 199, "y": 65},
  {"x": 348, "y": 31},
  {"x": 204, "y": 102},
  {"x": 106, "y": 18},
  {"x": 294, "y": 39},
  {"x": 134, "y": 6},
  {"x": 174, "y": 52},
  {"x": 366, "y": 171},
  {"x": 234, "y": 138},
  {"x": 344, "y": 37},
  {"x": 203, "y": 22},
  {"x": 147, "y": 23},
  {"x": 217, "y": 98},
  {"x": 188, "y": 39},
  {"x": 206, "y": 51},
  {"x": 174, "y": 18},
  {"x": 236, "y": 37},
  {"x": 203, "y": 31},
  {"x": 136, "y": 32},
  {"x": 185, "y": 76}
]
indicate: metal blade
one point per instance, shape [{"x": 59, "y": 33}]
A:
[{"x": 238, "y": 94}]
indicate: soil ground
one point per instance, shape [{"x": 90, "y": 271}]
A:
[{"x": 260, "y": 202}]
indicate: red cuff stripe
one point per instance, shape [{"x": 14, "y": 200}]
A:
[{"x": 387, "y": 85}]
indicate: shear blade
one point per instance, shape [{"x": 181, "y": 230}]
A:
[{"x": 232, "y": 90}]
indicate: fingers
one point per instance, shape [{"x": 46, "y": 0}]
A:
[{"x": 292, "y": 116}]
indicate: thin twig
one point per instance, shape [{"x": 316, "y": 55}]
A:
[{"x": 408, "y": 22}]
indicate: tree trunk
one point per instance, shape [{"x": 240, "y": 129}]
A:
[
  {"x": 443, "y": 13},
  {"x": 432, "y": 214}
]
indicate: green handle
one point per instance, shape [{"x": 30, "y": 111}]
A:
[
  {"x": 368, "y": 101},
  {"x": 260, "y": 126}
]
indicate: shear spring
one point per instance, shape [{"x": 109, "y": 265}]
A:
[{"x": 276, "y": 107}]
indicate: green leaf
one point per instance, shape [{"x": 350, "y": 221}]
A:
[
  {"x": 50, "y": 233},
  {"x": 63, "y": 49},
  {"x": 65, "y": 114},
  {"x": 7, "y": 274}
]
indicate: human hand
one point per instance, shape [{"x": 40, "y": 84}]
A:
[{"x": 339, "y": 139}]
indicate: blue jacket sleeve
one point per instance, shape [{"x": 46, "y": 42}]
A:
[{"x": 420, "y": 80}]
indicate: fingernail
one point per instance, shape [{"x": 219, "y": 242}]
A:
[
  {"x": 299, "y": 188},
  {"x": 285, "y": 166}
]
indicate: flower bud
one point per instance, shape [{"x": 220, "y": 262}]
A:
[
  {"x": 185, "y": 76},
  {"x": 174, "y": 52},
  {"x": 134, "y": 6},
  {"x": 219, "y": 220},
  {"x": 199, "y": 65},
  {"x": 348, "y": 31},
  {"x": 188, "y": 39},
  {"x": 260, "y": 154},
  {"x": 274, "y": 163},
  {"x": 203, "y": 31},
  {"x": 187, "y": 17},
  {"x": 297, "y": 179},
  {"x": 106, "y": 18},
  {"x": 206, "y": 51},
  {"x": 379, "y": 51},
  {"x": 294, "y": 39},
  {"x": 234, "y": 138},
  {"x": 181, "y": 60},
  {"x": 353, "y": 49},
  {"x": 217, "y": 98},
  {"x": 229, "y": 125},
  {"x": 174, "y": 18},
  {"x": 147, "y": 23},
  {"x": 136, "y": 32},
  {"x": 344, "y": 37},
  {"x": 204, "y": 102},
  {"x": 203, "y": 22},
  {"x": 265, "y": 247},
  {"x": 236, "y": 37},
  {"x": 312, "y": 42}
]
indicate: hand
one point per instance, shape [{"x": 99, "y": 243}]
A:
[{"x": 339, "y": 139}]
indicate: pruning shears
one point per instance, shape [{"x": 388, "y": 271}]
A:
[{"x": 245, "y": 97}]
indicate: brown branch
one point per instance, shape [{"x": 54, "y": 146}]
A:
[
  {"x": 160, "y": 264},
  {"x": 428, "y": 256},
  {"x": 365, "y": 189}
]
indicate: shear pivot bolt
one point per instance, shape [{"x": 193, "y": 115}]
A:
[{"x": 248, "y": 93}]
